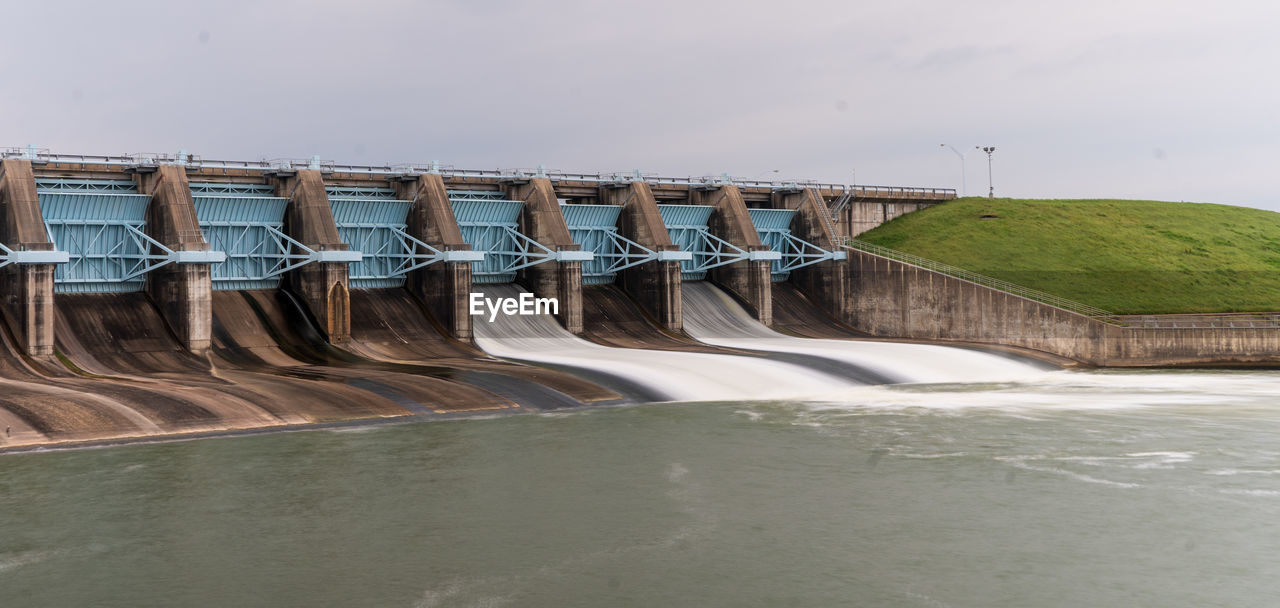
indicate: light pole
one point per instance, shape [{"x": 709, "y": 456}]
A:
[
  {"x": 991, "y": 191},
  {"x": 759, "y": 175},
  {"x": 962, "y": 173}
]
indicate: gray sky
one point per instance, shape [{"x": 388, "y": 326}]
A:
[{"x": 1163, "y": 100}]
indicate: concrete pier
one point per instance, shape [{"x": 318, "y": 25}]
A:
[
  {"x": 825, "y": 283},
  {"x": 26, "y": 290},
  {"x": 321, "y": 285},
  {"x": 654, "y": 285},
  {"x": 442, "y": 287},
  {"x": 182, "y": 292},
  {"x": 748, "y": 280},
  {"x": 542, "y": 221}
]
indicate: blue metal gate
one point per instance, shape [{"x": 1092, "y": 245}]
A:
[
  {"x": 595, "y": 228},
  {"x": 374, "y": 222},
  {"x": 687, "y": 225},
  {"x": 774, "y": 227},
  {"x": 490, "y": 223},
  {"x": 100, "y": 225},
  {"x": 246, "y": 221}
]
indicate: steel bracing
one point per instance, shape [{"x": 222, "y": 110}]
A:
[
  {"x": 489, "y": 223},
  {"x": 246, "y": 221},
  {"x": 595, "y": 228},
  {"x": 774, "y": 228},
  {"x": 99, "y": 224},
  {"x": 687, "y": 225},
  {"x": 374, "y": 222}
]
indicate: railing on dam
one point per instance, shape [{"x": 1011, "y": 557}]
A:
[
  {"x": 197, "y": 163},
  {"x": 992, "y": 282},
  {"x": 774, "y": 228}
]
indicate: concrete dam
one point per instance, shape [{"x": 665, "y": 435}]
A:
[{"x": 170, "y": 295}]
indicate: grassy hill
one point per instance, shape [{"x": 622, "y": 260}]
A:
[{"x": 1129, "y": 257}]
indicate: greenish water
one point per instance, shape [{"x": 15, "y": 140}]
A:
[{"x": 1155, "y": 489}]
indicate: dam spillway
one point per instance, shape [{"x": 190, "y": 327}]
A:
[
  {"x": 712, "y": 317},
  {"x": 172, "y": 295},
  {"x": 660, "y": 375}
]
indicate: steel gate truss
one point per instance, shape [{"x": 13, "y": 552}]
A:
[
  {"x": 798, "y": 253},
  {"x": 373, "y": 221},
  {"x": 687, "y": 225},
  {"x": 488, "y": 223},
  {"x": 130, "y": 256},
  {"x": 594, "y": 228},
  {"x": 272, "y": 253},
  {"x": 99, "y": 226},
  {"x": 521, "y": 251},
  {"x": 774, "y": 228},
  {"x": 401, "y": 249}
]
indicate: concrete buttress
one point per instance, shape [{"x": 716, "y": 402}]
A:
[
  {"x": 654, "y": 285},
  {"x": 26, "y": 290},
  {"x": 825, "y": 283},
  {"x": 444, "y": 286},
  {"x": 322, "y": 286},
  {"x": 182, "y": 292},
  {"x": 748, "y": 280},
  {"x": 542, "y": 221}
]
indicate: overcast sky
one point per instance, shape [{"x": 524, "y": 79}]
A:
[{"x": 1162, "y": 100}]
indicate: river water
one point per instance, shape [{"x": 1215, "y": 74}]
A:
[{"x": 1072, "y": 489}]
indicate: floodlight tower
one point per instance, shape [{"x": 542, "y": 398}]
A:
[{"x": 991, "y": 191}]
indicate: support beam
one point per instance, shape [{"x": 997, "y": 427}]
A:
[
  {"x": 654, "y": 285},
  {"x": 825, "y": 283},
  {"x": 541, "y": 220},
  {"x": 182, "y": 292},
  {"x": 443, "y": 287},
  {"x": 322, "y": 286},
  {"x": 748, "y": 280},
  {"x": 26, "y": 290}
]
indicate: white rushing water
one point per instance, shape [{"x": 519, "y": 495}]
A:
[
  {"x": 679, "y": 376},
  {"x": 712, "y": 317}
]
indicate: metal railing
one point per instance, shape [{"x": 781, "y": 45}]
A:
[
  {"x": 42, "y": 155},
  {"x": 986, "y": 281},
  {"x": 1243, "y": 320}
]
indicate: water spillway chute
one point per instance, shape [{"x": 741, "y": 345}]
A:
[
  {"x": 712, "y": 317},
  {"x": 662, "y": 375}
]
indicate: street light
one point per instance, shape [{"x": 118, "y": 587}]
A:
[
  {"x": 759, "y": 175},
  {"x": 991, "y": 191},
  {"x": 962, "y": 173}
]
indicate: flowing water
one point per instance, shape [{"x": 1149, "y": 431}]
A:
[
  {"x": 711, "y": 316},
  {"x": 976, "y": 481},
  {"x": 663, "y": 375},
  {"x": 1152, "y": 489}
]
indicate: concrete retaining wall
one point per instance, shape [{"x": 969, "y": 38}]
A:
[
  {"x": 898, "y": 300},
  {"x": 863, "y": 215}
]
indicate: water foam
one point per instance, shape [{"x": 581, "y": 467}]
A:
[
  {"x": 711, "y": 316},
  {"x": 677, "y": 376}
]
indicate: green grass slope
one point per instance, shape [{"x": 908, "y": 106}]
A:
[{"x": 1129, "y": 257}]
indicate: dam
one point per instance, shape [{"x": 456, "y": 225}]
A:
[{"x": 161, "y": 295}]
